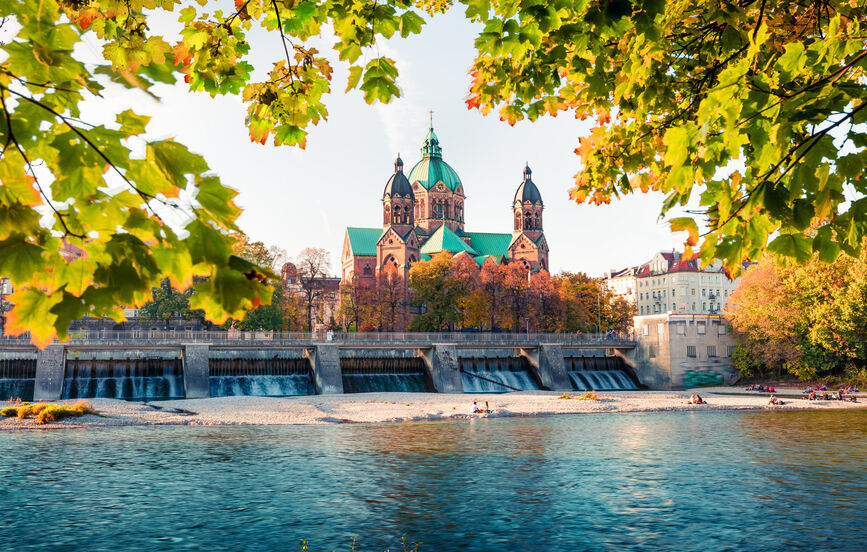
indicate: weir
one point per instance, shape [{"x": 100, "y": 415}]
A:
[
  {"x": 265, "y": 372},
  {"x": 370, "y": 375},
  {"x": 605, "y": 373},
  {"x": 497, "y": 374},
  {"x": 203, "y": 364},
  {"x": 17, "y": 375},
  {"x": 135, "y": 375}
]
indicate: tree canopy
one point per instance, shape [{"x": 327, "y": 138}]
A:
[
  {"x": 751, "y": 109},
  {"x": 809, "y": 321}
]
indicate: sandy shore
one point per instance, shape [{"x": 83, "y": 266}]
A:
[{"x": 404, "y": 407}]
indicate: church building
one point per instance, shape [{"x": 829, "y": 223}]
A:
[{"x": 423, "y": 214}]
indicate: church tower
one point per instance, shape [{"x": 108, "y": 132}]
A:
[
  {"x": 398, "y": 201},
  {"x": 438, "y": 190},
  {"x": 398, "y": 246},
  {"x": 528, "y": 239}
]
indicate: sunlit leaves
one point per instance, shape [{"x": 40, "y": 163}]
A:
[{"x": 378, "y": 82}]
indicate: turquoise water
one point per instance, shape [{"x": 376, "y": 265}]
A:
[{"x": 667, "y": 481}]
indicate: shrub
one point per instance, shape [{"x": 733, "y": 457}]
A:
[{"x": 46, "y": 412}]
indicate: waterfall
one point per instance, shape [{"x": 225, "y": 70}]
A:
[
  {"x": 511, "y": 371},
  {"x": 131, "y": 379},
  {"x": 374, "y": 375},
  {"x": 261, "y": 377},
  {"x": 598, "y": 373},
  {"x": 17, "y": 375}
]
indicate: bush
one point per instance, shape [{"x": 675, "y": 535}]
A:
[{"x": 46, "y": 412}]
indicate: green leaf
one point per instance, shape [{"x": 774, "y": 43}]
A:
[
  {"x": 216, "y": 199},
  {"x": 175, "y": 161},
  {"x": 131, "y": 123},
  {"x": 20, "y": 260},
  {"x": 795, "y": 246},
  {"x": 685, "y": 224},
  {"x": 354, "y": 77}
]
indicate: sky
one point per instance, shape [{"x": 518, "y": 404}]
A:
[{"x": 295, "y": 198}]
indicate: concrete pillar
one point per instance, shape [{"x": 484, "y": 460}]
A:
[
  {"x": 444, "y": 368},
  {"x": 327, "y": 377},
  {"x": 50, "y": 370},
  {"x": 647, "y": 373},
  {"x": 197, "y": 384},
  {"x": 550, "y": 367}
]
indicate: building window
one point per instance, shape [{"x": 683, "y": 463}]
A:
[
  {"x": 672, "y": 292},
  {"x": 646, "y": 329},
  {"x": 704, "y": 307},
  {"x": 681, "y": 328},
  {"x": 702, "y": 328},
  {"x": 651, "y": 351},
  {"x": 690, "y": 351},
  {"x": 722, "y": 329},
  {"x": 693, "y": 292},
  {"x": 711, "y": 351},
  {"x": 642, "y": 309},
  {"x": 730, "y": 350},
  {"x": 660, "y": 328}
]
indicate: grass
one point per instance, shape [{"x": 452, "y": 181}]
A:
[{"x": 47, "y": 412}]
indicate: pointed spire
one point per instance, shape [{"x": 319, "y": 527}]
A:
[
  {"x": 398, "y": 164},
  {"x": 527, "y": 171},
  {"x": 431, "y": 147}
]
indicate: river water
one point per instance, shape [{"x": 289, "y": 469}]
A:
[{"x": 665, "y": 481}]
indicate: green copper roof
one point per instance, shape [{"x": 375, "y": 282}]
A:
[
  {"x": 446, "y": 240},
  {"x": 490, "y": 244},
  {"x": 482, "y": 258},
  {"x": 362, "y": 241},
  {"x": 432, "y": 169}
]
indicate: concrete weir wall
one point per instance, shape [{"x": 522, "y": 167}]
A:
[
  {"x": 550, "y": 368},
  {"x": 50, "y": 370},
  {"x": 444, "y": 367},
  {"x": 325, "y": 362},
  {"x": 197, "y": 384}
]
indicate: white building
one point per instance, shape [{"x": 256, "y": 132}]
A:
[
  {"x": 671, "y": 283},
  {"x": 683, "y": 350}
]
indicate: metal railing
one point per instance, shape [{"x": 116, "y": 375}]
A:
[{"x": 487, "y": 339}]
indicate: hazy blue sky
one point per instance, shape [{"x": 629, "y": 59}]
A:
[{"x": 298, "y": 198}]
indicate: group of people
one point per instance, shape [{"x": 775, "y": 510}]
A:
[
  {"x": 478, "y": 410},
  {"x": 762, "y": 388},
  {"x": 774, "y": 400},
  {"x": 842, "y": 395},
  {"x": 696, "y": 399}
]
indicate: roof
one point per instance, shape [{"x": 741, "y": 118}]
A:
[
  {"x": 432, "y": 169},
  {"x": 482, "y": 258},
  {"x": 362, "y": 241},
  {"x": 398, "y": 184},
  {"x": 487, "y": 243},
  {"x": 444, "y": 239},
  {"x": 527, "y": 191}
]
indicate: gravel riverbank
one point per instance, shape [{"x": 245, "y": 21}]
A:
[{"x": 404, "y": 407}]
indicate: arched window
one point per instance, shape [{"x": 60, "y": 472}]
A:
[
  {"x": 517, "y": 221},
  {"x": 412, "y": 259},
  {"x": 387, "y": 214},
  {"x": 367, "y": 271},
  {"x": 528, "y": 221},
  {"x": 438, "y": 209},
  {"x": 406, "y": 215},
  {"x": 537, "y": 222}
]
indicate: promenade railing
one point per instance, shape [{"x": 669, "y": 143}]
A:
[{"x": 248, "y": 338}]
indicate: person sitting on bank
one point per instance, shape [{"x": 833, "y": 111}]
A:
[
  {"x": 476, "y": 408},
  {"x": 774, "y": 400}
]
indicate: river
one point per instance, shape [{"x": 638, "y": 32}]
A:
[{"x": 666, "y": 481}]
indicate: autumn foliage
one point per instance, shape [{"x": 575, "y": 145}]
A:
[
  {"x": 808, "y": 321},
  {"x": 453, "y": 293}
]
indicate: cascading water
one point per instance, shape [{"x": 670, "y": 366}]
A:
[
  {"x": 483, "y": 375},
  {"x": 598, "y": 373},
  {"x": 259, "y": 373},
  {"x": 17, "y": 375},
  {"x": 372, "y": 375},
  {"x": 131, "y": 375}
]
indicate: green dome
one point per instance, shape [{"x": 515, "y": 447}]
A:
[{"x": 431, "y": 170}]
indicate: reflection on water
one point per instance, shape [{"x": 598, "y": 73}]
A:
[{"x": 685, "y": 481}]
